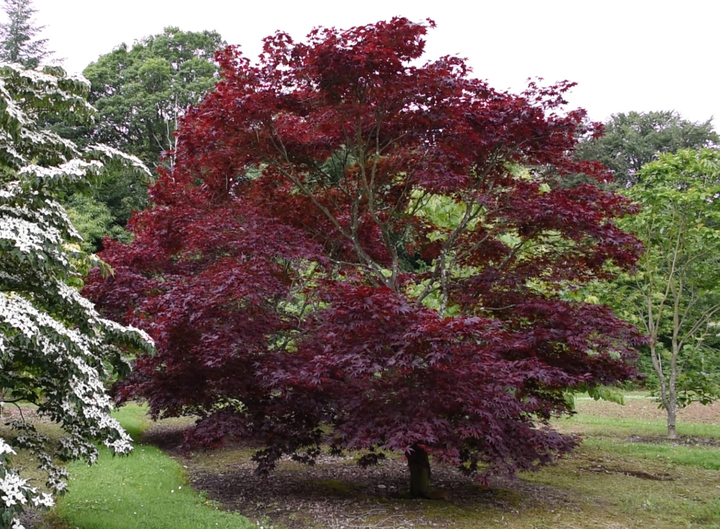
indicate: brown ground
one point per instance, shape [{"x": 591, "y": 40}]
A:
[
  {"x": 647, "y": 409},
  {"x": 336, "y": 494}
]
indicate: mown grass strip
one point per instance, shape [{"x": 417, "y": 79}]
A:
[
  {"x": 612, "y": 426},
  {"x": 695, "y": 456},
  {"x": 146, "y": 490}
]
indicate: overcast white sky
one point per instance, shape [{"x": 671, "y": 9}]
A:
[{"x": 625, "y": 55}]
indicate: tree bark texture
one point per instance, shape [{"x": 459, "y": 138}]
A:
[{"x": 419, "y": 465}]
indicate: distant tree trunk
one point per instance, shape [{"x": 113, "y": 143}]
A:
[
  {"x": 671, "y": 417},
  {"x": 419, "y": 465},
  {"x": 668, "y": 391},
  {"x": 671, "y": 406}
]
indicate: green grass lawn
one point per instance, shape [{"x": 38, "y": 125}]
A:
[
  {"x": 145, "y": 490},
  {"x": 588, "y": 424}
]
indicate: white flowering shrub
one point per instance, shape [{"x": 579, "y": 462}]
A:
[{"x": 55, "y": 349}]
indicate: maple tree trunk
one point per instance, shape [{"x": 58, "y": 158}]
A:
[{"x": 419, "y": 465}]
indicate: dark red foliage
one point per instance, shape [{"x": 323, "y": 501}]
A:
[{"x": 299, "y": 277}]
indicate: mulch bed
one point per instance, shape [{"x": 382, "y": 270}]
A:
[{"x": 336, "y": 494}]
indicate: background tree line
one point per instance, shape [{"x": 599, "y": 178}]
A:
[{"x": 460, "y": 263}]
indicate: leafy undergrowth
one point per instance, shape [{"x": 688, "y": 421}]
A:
[{"x": 147, "y": 489}]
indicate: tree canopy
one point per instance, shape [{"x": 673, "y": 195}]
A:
[
  {"x": 17, "y": 36},
  {"x": 634, "y": 139},
  {"x": 55, "y": 349},
  {"x": 141, "y": 91},
  {"x": 354, "y": 249},
  {"x": 674, "y": 296}
]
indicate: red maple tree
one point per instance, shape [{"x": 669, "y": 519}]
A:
[{"x": 355, "y": 244}]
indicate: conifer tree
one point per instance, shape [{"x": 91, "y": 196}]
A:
[{"x": 18, "y": 43}]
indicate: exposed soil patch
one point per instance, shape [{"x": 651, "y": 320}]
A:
[
  {"x": 10, "y": 412},
  {"x": 682, "y": 440},
  {"x": 627, "y": 472},
  {"x": 336, "y": 494}
]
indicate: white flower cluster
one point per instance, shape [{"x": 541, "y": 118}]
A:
[
  {"x": 34, "y": 77},
  {"x": 28, "y": 237},
  {"x": 5, "y": 448},
  {"x": 12, "y": 489},
  {"x": 11, "y": 108},
  {"x": 73, "y": 171},
  {"x": 105, "y": 151},
  {"x": 44, "y": 323},
  {"x": 18, "y": 314},
  {"x": 15, "y": 493},
  {"x": 70, "y": 351}
]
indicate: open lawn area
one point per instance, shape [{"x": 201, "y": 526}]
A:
[{"x": 625, "y": 475}]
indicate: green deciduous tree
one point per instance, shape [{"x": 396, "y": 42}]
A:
[
  {"x": 675, "y": 295},
  {"x": 19, "y": 44},
  {"x": 631, "y": 140},
  {"x": 93, "y": 220},
  {"x": 141, "y": 91},
  {"x": 55, "y": 350}
]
